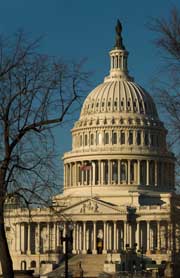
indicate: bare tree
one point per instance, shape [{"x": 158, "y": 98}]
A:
[
  {"x": 167, "y": 84},
  {"x": 167, "y": 88},
  {"x": 36, "y": 93}
]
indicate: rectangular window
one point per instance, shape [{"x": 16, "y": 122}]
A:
[
  {"x": 122, "y": 138},
  {"x": 114, "y": 138},
  {"x": 138, "y": 138},
  {"x": 106, "y": 139},
  {"x": 130, "y": 137},
  {"x": 146, "y": 139}
]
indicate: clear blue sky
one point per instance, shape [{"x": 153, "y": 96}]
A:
[{"x": 74, "y": 29}]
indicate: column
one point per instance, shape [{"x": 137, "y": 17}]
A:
[
  {"x": 137, "y": 235},
  {"x": 138, "y": 172},
  {"x": 110, "y": 236},
  {"x": 18, "y": 237},
  {"x": 90, "y": 175},
  {"x": 119, "y": 171},
  {"x": 74, "y": 239},
  {"x": 58, "y": 235},
  {"x": 94, "y": 174},
  {"x": 38, "y": 238},
  {"x": 75, "y": 174},
  {"x": 130, "y": 234},
  {"x": 115, "y": 237},
  {"x": 48, "y": 236},
  {"x": 94, "y": 251},
  {"x": 87, "y": 239},
  {"x": 99, "y": 172},
  {"x": 147, "y": 172},
  {"x": 125, "y": 234},
  {"x": 102, "y": 172},
  {"x": 105, "y": 238},
  {"x": 158, "y": 235},
  {"x": 23, "y": 237},
  {"x": 55, "y": 236},
  {"x": 151, "y": 239},
  {"x": 84, "y": 251},
  {"x": 129, "y": 172},
  {"x": 14, "y": 238},
  {"x": 64, "y": 175},
  {"x": 109, "y": 172},
  {"x": 77, "y": 238},
  {"x": 148, "y": 235},
  {"x": 67, "y": 173},
  {"x": 70, "y": 175},
  {"x": 29, "y": 238},
  {"x": 82, "y": 173},
  {"x": 170, "y": 237},
  {"x": 64, "y": 234}
]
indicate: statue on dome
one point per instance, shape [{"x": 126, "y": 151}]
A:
[{"x": 118, "y": 29}]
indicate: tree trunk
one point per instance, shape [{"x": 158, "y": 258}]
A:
[{"x": 5, "y": 258}]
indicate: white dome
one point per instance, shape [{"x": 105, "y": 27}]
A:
[{"x": 119, "y": 96}]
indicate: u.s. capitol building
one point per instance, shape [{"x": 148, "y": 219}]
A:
[{"x": 119, "y": 181}]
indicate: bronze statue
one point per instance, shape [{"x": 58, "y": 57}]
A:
[{"x": 119, "y": 43}]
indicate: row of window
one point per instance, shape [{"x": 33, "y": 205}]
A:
[
  {"x": 123, "y": 137},
  {"x": 123, "y": 105}
]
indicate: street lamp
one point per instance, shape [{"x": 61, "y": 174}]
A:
[
  {"x": 142, "y": 259},
  {"x": 66, "y": 238}
]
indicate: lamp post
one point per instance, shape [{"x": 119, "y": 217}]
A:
[
  {"x": 66, "y": 238},
  {"x": 142, "y": 259}
]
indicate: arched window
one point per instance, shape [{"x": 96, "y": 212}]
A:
[
  {"x": 122, "y": 138},
  {"x": 106, "y": 138},
  {"x": 85, "y": 140},
  {"x": 42, "y": 262},
  {"x": 114, "y": 138},
  {"x": 33, "y": 264},
  {"x": 23, "y": 265},
  {"x": 92, "y": 139}
]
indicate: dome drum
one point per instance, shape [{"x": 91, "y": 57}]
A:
[{"x": 107, "y": 171}]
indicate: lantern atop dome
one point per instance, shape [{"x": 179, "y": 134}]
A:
[{"x": 118, "y": 58}]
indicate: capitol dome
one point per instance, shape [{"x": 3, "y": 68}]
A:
[
  {"x": 119, "y": 96},
  {"x": 119, "y": 142}
]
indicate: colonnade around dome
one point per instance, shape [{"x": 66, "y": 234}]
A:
[{"x": 108, "y": 172}]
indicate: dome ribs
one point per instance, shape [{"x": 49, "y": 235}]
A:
[{"x": 119, "y": 96}]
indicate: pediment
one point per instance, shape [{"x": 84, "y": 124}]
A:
[{"x": 92, "y": 206}]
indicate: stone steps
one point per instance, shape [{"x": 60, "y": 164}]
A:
[{"x": 92, "y": 265}]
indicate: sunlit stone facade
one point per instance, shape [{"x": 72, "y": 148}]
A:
[{"x": 119, "y": 181}]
